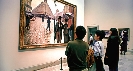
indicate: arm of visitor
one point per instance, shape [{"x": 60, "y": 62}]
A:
[{"x": 67, "y": 50}]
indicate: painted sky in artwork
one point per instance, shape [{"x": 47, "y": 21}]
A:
[{"x": 51, "y": 4}]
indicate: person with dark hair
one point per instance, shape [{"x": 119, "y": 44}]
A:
[
  {"x": 98, "y": 48},
  {"x": 112, "y": 50},
  {"x": 76, "y": 51},
  {"x": 59, "y": 27},
  {"x": 124, "y": 42}
]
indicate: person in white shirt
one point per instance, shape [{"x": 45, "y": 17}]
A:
[
  {"x": 91, "y": 40},
  {"x": 98, "y": 48}
]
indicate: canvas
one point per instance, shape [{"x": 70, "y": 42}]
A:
[
  {"x": 107, "y": 34},
  {"x": 121, "y": 30},
  {"x": 46, "y": 23}
]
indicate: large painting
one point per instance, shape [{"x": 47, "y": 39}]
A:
[{"x": 45, "y": 23}]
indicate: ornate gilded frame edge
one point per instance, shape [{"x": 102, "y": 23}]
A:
[{"x": 21, "y": 27}]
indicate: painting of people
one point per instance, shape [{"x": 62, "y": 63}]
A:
[{"x": 47, "y": 22}]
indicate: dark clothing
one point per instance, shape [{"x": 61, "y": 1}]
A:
[
  {"x": 112, "y": 51},
  {"x": 113, "y": 68},
  {"x": 42, "y": 18},
  {"x": 66, "y": 34},
  {"x": 59, "y": 27},
  {"x": 124, "y": 44},
  {"x": 76, "y": 52},
  {"x": 48, "y": 26},
  {"x": 91, "y": 43},
  {"x": 27, "y": 20},
  {"x": 99, "y": 64},
  {"x": 72, "y": 33},
  {"x": 54, "y": 30}
]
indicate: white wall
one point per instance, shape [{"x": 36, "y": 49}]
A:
[
  {"x": 108, "y": 14},
  {"x": 10, "y": 57}
]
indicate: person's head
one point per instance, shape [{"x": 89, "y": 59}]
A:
[
  {"x": 99, "y": 35},
  {"x": 125, "y": 34},
  {"x": 113, "y": 32},
  {"x": 90, "y": 34},
  {"x": 66, "y": 20},
  {"x": 59, "y": 19},
  {"x": 80, "y": 32}
]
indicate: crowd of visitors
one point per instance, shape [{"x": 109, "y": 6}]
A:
[{"x": 81, "y": 56}]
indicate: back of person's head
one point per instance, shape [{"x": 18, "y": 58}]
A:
[
  {"x": 125, "y": 34},
  {"x": 101, "y": 34},
  {"x": 91, "y": 34},
  {"x": 114, "y": 32},
  {"x": 80, "y": 32}
]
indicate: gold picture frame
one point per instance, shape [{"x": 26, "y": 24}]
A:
[{"x": 33, "y": 17}]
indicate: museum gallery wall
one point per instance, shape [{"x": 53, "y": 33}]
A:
[
  {"x": 10, "y": 57},
  {"x": 109, "y": 14}
]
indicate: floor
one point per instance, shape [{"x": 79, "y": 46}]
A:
[{"x": 125, "y": 64}]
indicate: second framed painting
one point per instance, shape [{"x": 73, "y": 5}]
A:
[
  {"x": 124, "y": 30},
  {"x": 45, "y": 23},
  {"x": 107, "y": 34}
]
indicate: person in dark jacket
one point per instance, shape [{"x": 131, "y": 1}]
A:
[
  {"x": 54, "y": 30},
  {"x": 124, "y": 43},
  {"x": 27, "y": 22},
  {"x": 59, "y": 27},
  {"x": 48, "y": 25},
  {"x": 76, "y": 51},
  {"x": 66, "y": 34},
  {"x": 43, "y": 17},
  {"x": 112, "y": 51}
]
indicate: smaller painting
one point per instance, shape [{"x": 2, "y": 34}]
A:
[
  {"x": 106, "y": 33},
  {"x": 121, "y": 32}
]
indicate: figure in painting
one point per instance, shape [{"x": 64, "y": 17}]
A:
[
  {"x": 43, "y": 18},
  {"x": 72, "y": 32},
  {"x": 59, "y": 27},
  {"x": 54, "y": 30},
  {"x": 27, "y": 22},
  {"x": 48, "y": 23},
  {"x": 66, "y": 35}
]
